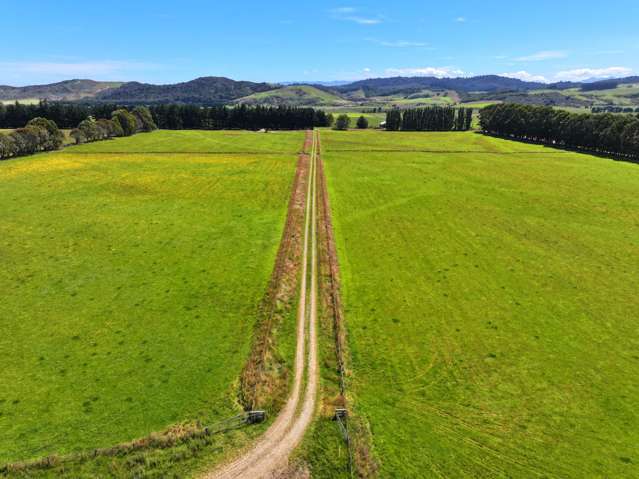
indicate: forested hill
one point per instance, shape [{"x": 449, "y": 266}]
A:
[
  {"x": 394, "y": 85},
  {"x": 204, "y": 91},
  {"x": 66, "y": 90},
  {"x": 371, "y": 93}
]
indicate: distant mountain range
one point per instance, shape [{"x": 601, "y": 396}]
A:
[
  {"x": 206, "y": 90},
  {"x": 374, "y": 92},
  {"x": 402, "y": 85},
  {"x": 69, "y": 90}
]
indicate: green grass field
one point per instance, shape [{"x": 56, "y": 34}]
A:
[
  {"x": 296, "y": 95},
  {"x": 424, "y": 101},
  {"x": 491, "y": 301},
  {"x": 131, "y": 274},
  {"x": 374, "y": 119},
  {"x": 625, "y": 95}
]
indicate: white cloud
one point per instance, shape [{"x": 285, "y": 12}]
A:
[
  {"x": 525, "y": 76},
  {"x": 366, "y": 70},
  {"x": 545, "y": 55},
  {"x": 399, "y": 43},
  {"x": 350, "y": 14},
  {"x": 581, "y": 74},
  {"x": 343, "y": 10},
  {"x": 91, "y": 69},
  {"x": 364, "y": 21},
  {"x": 460, "y": 19},
  {"x": 439, "y": 72}
]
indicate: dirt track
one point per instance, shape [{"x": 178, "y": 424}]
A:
[{"x": 269, "y": 455}]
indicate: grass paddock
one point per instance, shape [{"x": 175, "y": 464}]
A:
[
  {"x": 131, "y": 282},
  {"x": 490, "y": 295}
]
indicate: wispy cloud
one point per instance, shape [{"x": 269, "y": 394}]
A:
[
  {"x": 351, "y": 14},
  {"x": 525, "y": 76},
  {"x": 91, "y": 69},
  {"x": 544, "y": 55},
  {"x": 399, "y": 43},
  {"x": 580, "y": 74},
  {"x": 460, "y": 20},
  {"x": 439, "y": 72}
]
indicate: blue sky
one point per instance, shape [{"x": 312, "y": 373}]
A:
[{"x": 169, "y": 41}]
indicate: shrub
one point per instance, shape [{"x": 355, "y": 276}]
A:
[
  {"x": 362, "y": 123},
  {"x": 343, "y": 122},
  {"x": 55, "y": 138},
  {"x": 78, "y": 135},
  {"x": 144, "y": 119},
  {"x": 90, "y": 129},
  {"x": 126, "y": 120},
  {"x": 7, "y": 146},
  {"x": 110, "y": 128},
  {"x": 27, "y": 139}
]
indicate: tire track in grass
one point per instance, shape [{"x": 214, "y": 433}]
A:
[{"x": 270, "y": 454}]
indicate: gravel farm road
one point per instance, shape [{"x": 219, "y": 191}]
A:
[{"x": 269, "y": 455}]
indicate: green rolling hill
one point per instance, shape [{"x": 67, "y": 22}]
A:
[{"x": 295, "y": 95}]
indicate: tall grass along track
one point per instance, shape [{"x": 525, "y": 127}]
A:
[
  {"x": 263, "y": 382},
  {"x": 270, "y": 454},
  {"x": 332, "y": 289},
  {"x": 335, "y": 394}
]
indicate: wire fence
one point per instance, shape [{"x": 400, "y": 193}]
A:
[
  {"x": 341, "y": 414},
  {"x": 158, "y": 440}
]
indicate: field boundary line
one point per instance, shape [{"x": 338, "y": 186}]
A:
[
  {"x": 455, "y": 152},
  {"x": 334, "y": 277},
  {"x": 172, "y": 436},
  {"x": 203, "y": 153}
]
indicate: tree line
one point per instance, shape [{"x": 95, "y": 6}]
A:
[
  {"x": 42, "y": 134},
  {"x": 604, "y": 133},
  {"x": 122, "y": 123},
  {"x": 243, "y": 117},
  {"x": 434, "y": 118},
  {"x": 614, "y": 109},
  {"x": 172, "y": 117},
  {"x": 39, "y": 134},
  {"x": 65, "y": 115}
]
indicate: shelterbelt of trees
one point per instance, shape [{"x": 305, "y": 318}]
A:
[
  {"x": 430, "y": 119},
  {"x": 42, "y": 134},
  {"x": 65, "y": 115},
  {"x": 39, "y": 134},
  {"x": 122, "y": 123},
  {"x": 604, "y": 133},
  {"x": 243, "y": 117},
  {"x": 172, "y": 117}
]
